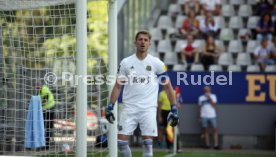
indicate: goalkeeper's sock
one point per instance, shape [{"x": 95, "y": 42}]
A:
[
  {"x": 124, "y": 148},
  {"x": 147, "y": 148}
]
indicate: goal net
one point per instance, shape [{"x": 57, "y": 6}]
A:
[{"x": 38, "y": 48}]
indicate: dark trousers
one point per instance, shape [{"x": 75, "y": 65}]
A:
[
  {"x": 48, "y": 125},
  {"x": 207, "y": 61}
]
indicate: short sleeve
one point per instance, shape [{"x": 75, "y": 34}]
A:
[
  {"x": 121, "y": 72},
  {"x": 256, "y": 52},
  {"x": 214, "y": 98},
  {"x": 199, "y": 101},
  {"x": 160, "y": 97},
  {"x": 215, "y": 26},
  {"x": 160, "y": 67},
  {"x": 183, "y": 46},
  {"x": 202, "y": 25}
]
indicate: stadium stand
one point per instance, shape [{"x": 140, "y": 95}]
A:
[
  {"x": 179, "y": 67},
  {"x": 237, "y": 2},
  {"x": 253, "y": 68},
  {"x": 235, "y": 46},
  {"x": 225, "y": 59},
  {"x": 234, "y": 68},
  {"x": 215, "y": 68},
  {"x": 270, "y": 68},
  {"x": 237, "y": 36},
  {"x": 244, "y": 59},
  {"x": 197, "y": 67},
  {"x": 245, "y": 10}
]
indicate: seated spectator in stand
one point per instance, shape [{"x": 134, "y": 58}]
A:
[
  {"x": 191, "y": 5},
  {"x": 263, "y": 6},
  {"x": 213, "y": 6},
  {"x": 210, "y": 52},
  {"x": 190, "y": 25},
  {"x": 273, "y": 50},
  {"x": 189, "y": 51},
  {"x": 265, "y": 27},
  {"x": 274, "y": 26},
  {"x": 208, "y": 25},
  {"x": 273, "y": 12},
  {"x": 263, "y": 54}
]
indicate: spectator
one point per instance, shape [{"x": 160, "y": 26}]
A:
[
  {"x": 208, "y": 25},
  {"x": 263, "y": 54},
  {"x": 191, "y": 5},
  {"x": 190, "y": 25},
  {"x": 214, "y": 6},
  {"x": 263, "y": 6},
  {"x": 207, "y": 115},
  {"x": 273, "y": 50},
  {"x": 265, "y": 27},
  {"x": 210, "y": 52},
  {"x": 274, "y": 25},
  {"x": 48, "y": 104},
  {"x": 189, "y": 51},
  {"x": 273, "y": 12}
]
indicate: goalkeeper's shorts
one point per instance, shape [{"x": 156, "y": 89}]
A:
[{"x": 129, "y": 121}]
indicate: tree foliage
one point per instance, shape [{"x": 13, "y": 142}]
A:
[{"x": 48, "y": 33}]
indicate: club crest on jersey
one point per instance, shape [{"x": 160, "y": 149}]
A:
[
  {"x": 148, "y": 68},
  {"x": 132, "y": 67},
  {"x": 120, "y": 127}
]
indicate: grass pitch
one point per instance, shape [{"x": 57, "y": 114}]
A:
[{"x": 194, "y": 153}]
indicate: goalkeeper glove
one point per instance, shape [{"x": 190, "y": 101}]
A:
[
  {"x": 109, "y": 114},
  {"x": 173, "y": 118}
]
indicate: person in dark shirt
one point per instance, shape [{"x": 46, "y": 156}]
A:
[{"x": 265, "y": 27}]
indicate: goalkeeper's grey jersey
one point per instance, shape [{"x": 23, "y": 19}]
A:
[{"x": 141, "y": 81}]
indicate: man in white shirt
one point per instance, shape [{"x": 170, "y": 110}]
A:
[
  {"x": 263, "y": 54},
  {"x": 211, "y": 5},
  {"x": 140, "y": 74},
  {"x": 207, "y": 112},
  {"x": 208, "y": 25},
  {"x": 273, "y": 49}
]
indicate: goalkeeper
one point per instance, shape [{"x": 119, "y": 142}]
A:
[{"x": 140, "y": 74}]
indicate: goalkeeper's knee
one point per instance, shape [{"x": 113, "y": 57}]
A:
[
  {"x": 124, "y": 148},
  {"x": 147, "y": 148}
]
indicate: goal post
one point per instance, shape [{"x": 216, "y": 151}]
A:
[
  {"x": 81, "y": 28},
  {"x": 112, "y": 58}
]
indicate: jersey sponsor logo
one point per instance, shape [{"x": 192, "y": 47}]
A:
[{"x": 141, "y": 80}]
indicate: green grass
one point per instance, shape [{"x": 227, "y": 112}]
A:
[
  {"x": 186, "y": 154},
  {"x": 195, "y": 154}
]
